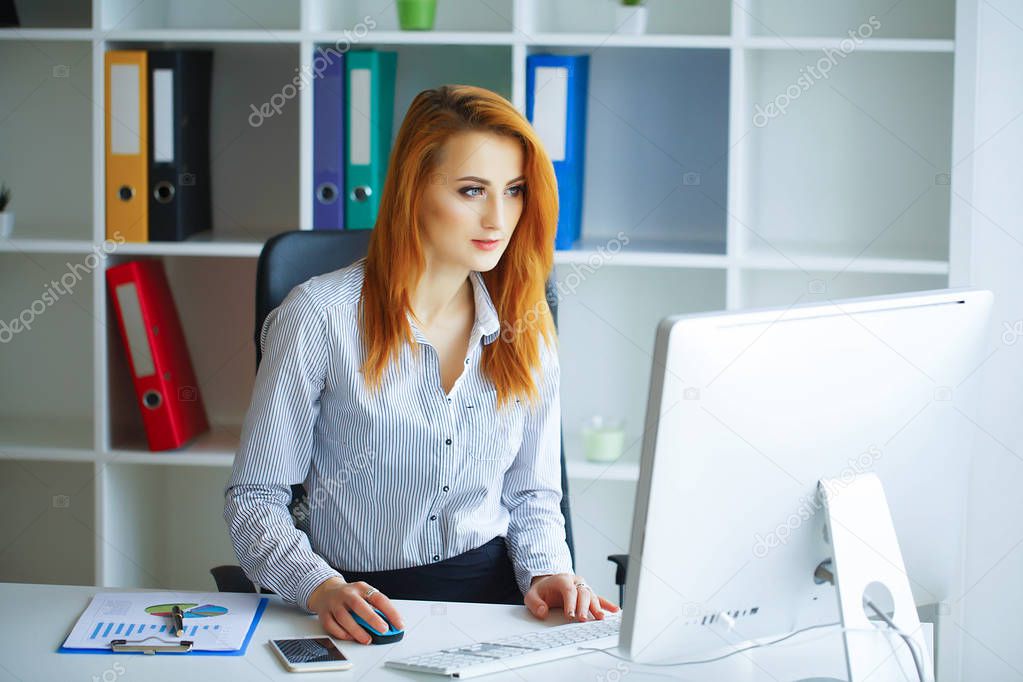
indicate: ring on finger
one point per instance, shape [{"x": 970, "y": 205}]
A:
[{"x": 369, "y": 593}]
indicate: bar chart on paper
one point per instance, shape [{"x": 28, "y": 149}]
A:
[
  {"x": 213, "y": 622},
  {"x": 191, "y": 611}
]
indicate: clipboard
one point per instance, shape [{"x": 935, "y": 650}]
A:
[
  {"x": 153, "y": 644},
  {"x": 124, "y": 646}
]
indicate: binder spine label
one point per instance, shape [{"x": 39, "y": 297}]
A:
[
  {"x": 163, "y": 115},
  {"x": 360, "y": 114},
  {"x": 135, "y": 330},
  {"x": 550, "y": 109},
  {"x": 126, "y": 126}
]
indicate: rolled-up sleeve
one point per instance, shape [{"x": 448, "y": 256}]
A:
[
  {"x": 275, "y": 453},
  {"x": 532, "y": 485}
]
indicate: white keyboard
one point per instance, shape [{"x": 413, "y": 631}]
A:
[{"x": 516, "y": 651}]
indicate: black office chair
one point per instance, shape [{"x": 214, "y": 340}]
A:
[
  {"x": 286, "y": 261},
  {"x": 621, "y": 562}
]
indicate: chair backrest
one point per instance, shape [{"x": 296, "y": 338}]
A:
[{"x": 290, "y": 258}]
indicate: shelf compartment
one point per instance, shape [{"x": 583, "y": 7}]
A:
[
  {"x": 607, "y": 322},
  {"x": 254, "y": 158},
  {"x": 904, "y": 19},
  {"x": 48, "y": 531},
  {"x": 422, "y": 67},
  {"x": 47, "y": 87},
  {"x": 872, "y": 180},
  {"x": 147, "y": 547},
  {"x": 762, "y": 288},
  {"x": 46, "y": 322},
  {"x": 365, "y": 17},
  {"x": 601, "y": 525},
  {"x": 215, "y": 300},
  {"x": 665, "y": 17},
  {"x": 54, "y": 14},
  {"x": 664, "y": 149},
  {"x": 262, "y": 15}
]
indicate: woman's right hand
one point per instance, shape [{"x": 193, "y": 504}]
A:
[{"x": 333, "y": 598}]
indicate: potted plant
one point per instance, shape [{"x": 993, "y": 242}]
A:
[
  {"x": 6, "y": 217},
  {"x": 631, "y": 17},
  {"x": 416, "y": 15}
]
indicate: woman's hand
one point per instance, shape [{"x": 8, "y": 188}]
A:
[
  {"x": 334, "y": 597},
  {"x": 569, "y": 592}
]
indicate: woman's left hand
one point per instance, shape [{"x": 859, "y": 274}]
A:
[{"x": 569, "y": 592}]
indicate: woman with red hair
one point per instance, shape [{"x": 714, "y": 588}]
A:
[{"x": 415, "y": 393}]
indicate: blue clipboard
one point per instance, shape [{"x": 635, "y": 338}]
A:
[{"x": 263, "y": 601}]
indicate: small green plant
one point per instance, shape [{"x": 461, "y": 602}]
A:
[
  {"x": 5, "y": 197},
  {"x": 632, "y": 3}
]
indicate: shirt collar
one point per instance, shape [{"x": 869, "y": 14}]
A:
[
  {"x": 487, "y": 325},
  {"x": 486, "y": 314}
]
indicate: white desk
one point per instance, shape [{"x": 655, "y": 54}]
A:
[{"x": 37, "y": 618}]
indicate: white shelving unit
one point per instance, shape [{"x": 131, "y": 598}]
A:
[{"x": 846, "y": 193}]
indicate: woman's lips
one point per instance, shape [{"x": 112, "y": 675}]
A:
[{"x": 486, "y": 244}]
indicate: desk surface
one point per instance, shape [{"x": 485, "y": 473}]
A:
[{"x": 37, "y": 618}]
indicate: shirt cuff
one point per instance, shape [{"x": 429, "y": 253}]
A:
[
  {"x": 310, "y": 582},
  {"x": 525, "y": 576}
]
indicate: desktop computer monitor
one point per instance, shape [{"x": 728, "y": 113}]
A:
[{"x": 747, "y": 411}]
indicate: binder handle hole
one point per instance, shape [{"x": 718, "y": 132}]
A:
[
  {"x": 362, "y": 193},
  {"x": 126, "y": 192},
  {"x": 326, "y": 193},
  {"x": 163, "y": 192},
  {"x": 152, "y": 399}
]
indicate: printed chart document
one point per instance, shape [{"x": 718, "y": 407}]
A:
[{"x": 215, "y": 622}]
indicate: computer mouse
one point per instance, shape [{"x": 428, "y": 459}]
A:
[{"x": 392, "y": 635}]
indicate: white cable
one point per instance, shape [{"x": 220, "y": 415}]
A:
[
  {"x": 906, "y": 638},
  {"x": 759, "y": 645},
  {"x": 722, "y": 657}
]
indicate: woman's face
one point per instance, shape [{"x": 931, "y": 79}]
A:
[{"x": 473, "y": 201}]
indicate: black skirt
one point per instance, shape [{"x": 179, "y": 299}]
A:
[{"x": 481, "y": 575}]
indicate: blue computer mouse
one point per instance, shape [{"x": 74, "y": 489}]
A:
[{"x": 392, "y": 635}]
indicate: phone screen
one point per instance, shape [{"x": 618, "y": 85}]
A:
[{"x": 310, "y": 650}]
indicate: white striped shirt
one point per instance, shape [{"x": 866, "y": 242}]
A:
[{"x": 401, "y": 478}]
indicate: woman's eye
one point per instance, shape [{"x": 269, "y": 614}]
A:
[{"x": 467, "y": 191}]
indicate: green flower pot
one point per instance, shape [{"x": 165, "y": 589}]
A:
[{"x": 416, "y": 15}]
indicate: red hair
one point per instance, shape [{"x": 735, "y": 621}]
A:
[{"x": 395, "y": 260}]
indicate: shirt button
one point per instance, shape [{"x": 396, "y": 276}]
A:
[
  {"x": 449, "y": 400},
  {"x": 436, "y": 557},
  {"x": 445, "y": 488},
  {"x": 447, "y": 442},
  {"x": 467, "y": 361},
  {"x": 433, "y": 517}
]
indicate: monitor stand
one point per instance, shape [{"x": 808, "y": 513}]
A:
[{"x": 867, "y": 567}]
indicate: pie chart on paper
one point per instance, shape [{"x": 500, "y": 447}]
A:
[{"x": 190, "y": 610}]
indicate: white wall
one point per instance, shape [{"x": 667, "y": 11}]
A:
[{"x": 993, "y": 600}]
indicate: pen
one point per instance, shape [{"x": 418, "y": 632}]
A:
[{"x": 179, "y": 625}]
